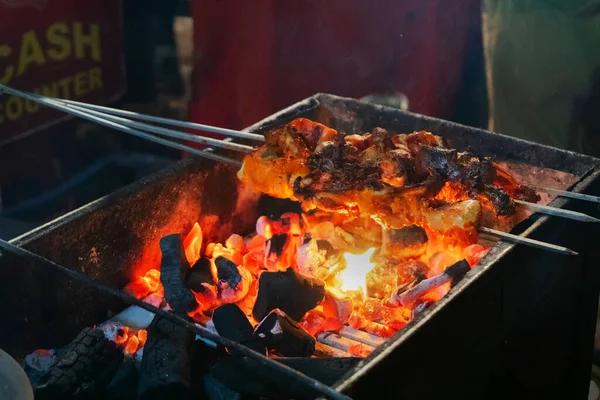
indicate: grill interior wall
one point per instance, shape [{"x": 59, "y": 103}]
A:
[{"x": 111, "y": 240}]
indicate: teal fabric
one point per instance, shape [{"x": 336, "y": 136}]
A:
[{"x": 540, "y": 60}]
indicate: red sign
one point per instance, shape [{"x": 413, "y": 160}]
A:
[{"x": 61, "y": 48}]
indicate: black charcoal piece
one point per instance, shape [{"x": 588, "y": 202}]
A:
[
  {"x": 273, "y": 207},
  {"x": 283, "y": 335},
  {"x": 277, "y": 243},
  {"x": 85, "y": 369},
  {"x": 173, "y": 273},
  {"x": 166, "y": 364},
  {"x": 228, "y": 272},
  {"x": 199, "y": 274},
  {"x": 291, "y": 293},
  {"x": 457, "y": 271},
  {"x": 231, "y": 323},
  {"x": 125, "y": 382}
]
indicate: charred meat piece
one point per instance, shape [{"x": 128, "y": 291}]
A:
[
  {"x": 312, "y": 132},
  {"x": 407, "y": 236},
  {"x": 439, "y": 161},
  {"x": 364, "y": 175},
  {"x": 522, "y": 192},
  {"x": 293, "y": 294},
  {"x": 500, "y": 200},
  {"x": 285, "y": 336}
]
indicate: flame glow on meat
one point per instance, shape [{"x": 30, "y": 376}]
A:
[{"x": 380, "y": 214}]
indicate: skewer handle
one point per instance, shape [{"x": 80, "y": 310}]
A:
[
  {"x": 557, "y": 212},
  {"x": 566, "y": 193},
  {"x": 527, "y": 241}
]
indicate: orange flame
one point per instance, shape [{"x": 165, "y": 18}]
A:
[{"x": 354, "y": 276}]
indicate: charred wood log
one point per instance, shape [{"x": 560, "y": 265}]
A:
[
  {"x": 291, "y": 293},
  {"x": 85, "y": 369},
  {"x": 282, "y": 334},
  {"x": 408, "y": 294},
  {"x": 231, "y": 323},
  {"x": 199, "y": 274},
  {"x": 165, "y": 370},
  {"x": 173, "y": 273}
]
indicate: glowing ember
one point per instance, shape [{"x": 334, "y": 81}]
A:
[{"x": 354, "y": 276}]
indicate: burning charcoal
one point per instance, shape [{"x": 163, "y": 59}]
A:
[
  {"x": 236, "y": 243},
  {"x": 228, "y": 272},
  {"x": 165, "y": 369},
  {"x": 276, "y": 244},
  {"x": 274, "y": 207},
  {"x": 231, "y": 323},
  {"x": 41, "y": 360},
  {"x": 382, "y": 280},
  {"x": 407, "y": 296},
  {"x": 173, "y": 273},
  {"x": 199, "y": 274},
  {"x": 420, "y": 307},
  {"x": 287, "y": 291},
  {"x": 86, "y": 367},
  {"x": 283, "y": 335},
  {"x": 233, "y": 281},
  {"x": 278, "y": 252},
  {"x": 316, "y": 258},
  {"x": 192, "y": 244},
  {"x": 337, "y": 306}
]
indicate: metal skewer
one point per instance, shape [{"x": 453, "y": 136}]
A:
[
  {"x": 527, "y": 241},
  {"x": 566, "y": 193},
  {"x": 167, "y": 121},
  {"x": 111, "y": 124},
  {"x": 99, "y": 114},
  {"x": 275, "y": 366},
  {"x": 558, "y": 212},
  {"x": 168, "y": 132}
]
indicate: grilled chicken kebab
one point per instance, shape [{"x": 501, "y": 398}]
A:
[{"x": 400, "y": 180}]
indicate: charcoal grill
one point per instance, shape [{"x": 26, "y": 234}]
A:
[{"x": 521, "y": 324}]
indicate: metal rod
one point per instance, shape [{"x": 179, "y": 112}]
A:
[
  {"x": 168, "y": 121},
  {"x": 558, "y": 212},
  {"x": 127, "y": 126},
  {"x": 566, "y": 193},
  {"x": 168, "y": 132},
  {"x": 85, "y": 115},
  {"x": 275, "y": 366},
  {"x": 529, "y": 242}
]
